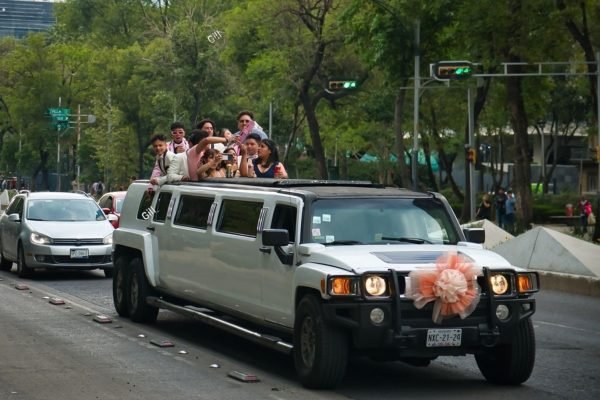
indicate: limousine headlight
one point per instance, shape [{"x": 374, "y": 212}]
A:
[
  {"x": 500, "y": 283},
  {"x": 375, "y": 285},
  {"x": 343, "y": 286},
  {"x": 528, "y": 282}
]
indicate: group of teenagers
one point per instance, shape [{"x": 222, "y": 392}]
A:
[{"x": 204, "y": 154}]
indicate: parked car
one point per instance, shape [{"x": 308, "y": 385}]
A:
[
  {"x": 111, "y": 203},
  {"x": 324, "y": 270},
  {"x": 55, "y": 230}
]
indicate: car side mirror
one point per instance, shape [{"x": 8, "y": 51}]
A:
[
  {"x": 275, "y": 237},
  {"x": 14, "y": 217},
  {"x": 474, "y": 235}
]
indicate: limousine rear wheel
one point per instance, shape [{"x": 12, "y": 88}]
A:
[
  {"x": 512, "y": 363},
  {"x": 139, "y": 290},
  {"x": 120, "y": 292},
  {"x": 320, "y": 350}
]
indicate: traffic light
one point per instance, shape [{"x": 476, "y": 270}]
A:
[
  {"x": 452, "y": 70},
  {"x": 472, "y": 155},
  {"x": 342, "y": 84}
]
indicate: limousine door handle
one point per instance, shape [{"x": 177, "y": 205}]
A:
[
  {"x": 150, "y": 228},
  {"x": 265, "y": 250}
]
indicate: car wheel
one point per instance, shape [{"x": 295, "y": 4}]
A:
[
  {"x": 139, "y": 290},
  {"x": 320, "y": 350},
  {"x": 108, "y": 272},
  {"x": 120, "y": 293},
  {"x": 22, "y": 269},
  {"x": 5, "y": 265},
  {"x": 512, "y": 363}
]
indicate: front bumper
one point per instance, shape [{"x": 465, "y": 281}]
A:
[
  {"x": 53, "y": 256},
  {"x": 404, "y": 328}
]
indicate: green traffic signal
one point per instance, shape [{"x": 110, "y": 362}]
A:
[
  {"x": 448, "y": 70},
  {"x": 341, "y": 85}
]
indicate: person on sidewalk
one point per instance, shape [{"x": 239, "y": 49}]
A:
[
  {"x": 585, "y": 209},
  {"x": 510, "y": 209}
]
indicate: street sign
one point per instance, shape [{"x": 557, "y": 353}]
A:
[{"x": 60, "y": 117}]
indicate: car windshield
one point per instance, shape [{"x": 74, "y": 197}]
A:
[
  {"x": 64, "y": 210},
  {"x": 381, "y": 221}
]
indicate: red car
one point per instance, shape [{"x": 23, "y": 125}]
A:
[{"x": 111, "y": 203}]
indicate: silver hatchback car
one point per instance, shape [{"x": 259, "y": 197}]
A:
[{"x": 55, "y": 230}]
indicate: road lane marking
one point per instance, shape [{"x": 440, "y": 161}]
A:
[{"x": 566, "y": 327}]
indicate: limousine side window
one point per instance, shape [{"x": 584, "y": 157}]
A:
[
  {"x": 162, "y": 206},
  {"x": 239, "y": 217},
  {"x": 284, "y": 217},
  {"x": 193, "y": 211},
  {"x": 145, "y": 210}
]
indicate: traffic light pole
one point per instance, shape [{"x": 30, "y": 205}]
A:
[
  {"x": 471, "y": 117},
  {"x": 415, "y": 150}
]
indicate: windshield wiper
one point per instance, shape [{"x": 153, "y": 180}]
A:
[
  {"x": 407, "y": 239},
  {"x": 343, "y": 242}
]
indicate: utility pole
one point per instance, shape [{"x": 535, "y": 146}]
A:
[
  {"x": 58, "y": 152},
  {"x": 77, "y": 162},
  {"x": 415, "y": 150}
]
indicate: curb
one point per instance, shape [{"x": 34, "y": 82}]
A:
[{"x": 584, "y": 285}]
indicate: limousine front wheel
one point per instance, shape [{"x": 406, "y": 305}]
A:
[
  {"x": 320, "y": 350},
  {"x": 139, "y": 290}
]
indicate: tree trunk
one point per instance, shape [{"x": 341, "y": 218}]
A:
[
  {"x": 315, "y": 136},
  {"x": 522, "y": 171}
]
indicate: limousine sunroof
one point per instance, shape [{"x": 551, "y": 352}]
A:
[{"x": 264, "y": 182}]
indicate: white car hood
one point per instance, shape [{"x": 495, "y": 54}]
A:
[
  {"x": 401, "y": 257},
  {"x": 72, "y": 229}
]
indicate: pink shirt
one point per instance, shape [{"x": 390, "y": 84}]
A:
[{"x": 193, "y": 159}]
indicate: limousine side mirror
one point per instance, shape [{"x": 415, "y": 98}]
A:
[
  {"x": 275, "y": 237},
  {"x": 474, "y": 235}
]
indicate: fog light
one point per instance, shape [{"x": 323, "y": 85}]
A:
[
  {"x": 526, "y": 306},
  {"x": 377, "y": 315},
  {"x": 502, "y": 312},
  {"x": 40, "y": 258}
]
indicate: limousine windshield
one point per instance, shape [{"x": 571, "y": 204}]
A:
[{"x": 381, "y": 221}]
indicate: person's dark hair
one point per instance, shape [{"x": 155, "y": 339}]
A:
[
  {"x": 176, "y": 125},
  {"x": 274, "y": 157},
  {"x": 200, "y": 124},
  {"x": 196, "y": 136},
  {"x": 254, "y": 136},
  {"x": 245, "y": 112},
  {"x": 158, "y": 136},
  {"x": 208, "y": 153}
]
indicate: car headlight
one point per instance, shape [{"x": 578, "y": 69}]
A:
[
  {"x": 38, "y": 238},
  {"x": 108, "y": 239},
  {"x": 500, "y": 284},
  {"x": 343, "y": 286},
  {"x": 528, "y": 282},
  {"x": 375, "y": 285}
]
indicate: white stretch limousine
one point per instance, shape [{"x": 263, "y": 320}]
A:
[{"x": 325, "y": 269}]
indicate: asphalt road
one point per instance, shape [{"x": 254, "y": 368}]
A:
[{"x": 58, "y": 352}]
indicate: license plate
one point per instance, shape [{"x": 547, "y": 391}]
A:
[
  {"x": 79, "y": 253},
  {"x": 444, "y": 337}
]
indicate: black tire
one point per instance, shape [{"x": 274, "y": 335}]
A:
[
  {"x": 320, "y": 350},
  {"x": 120, "y": 288},
  {"x": 22, "y": 269},
  {"x": 108, "y": 272},
  {"x": 139, "y": 289},
  {"x": 5, "y": 265},
  {"x": 512, "y": 363}
]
